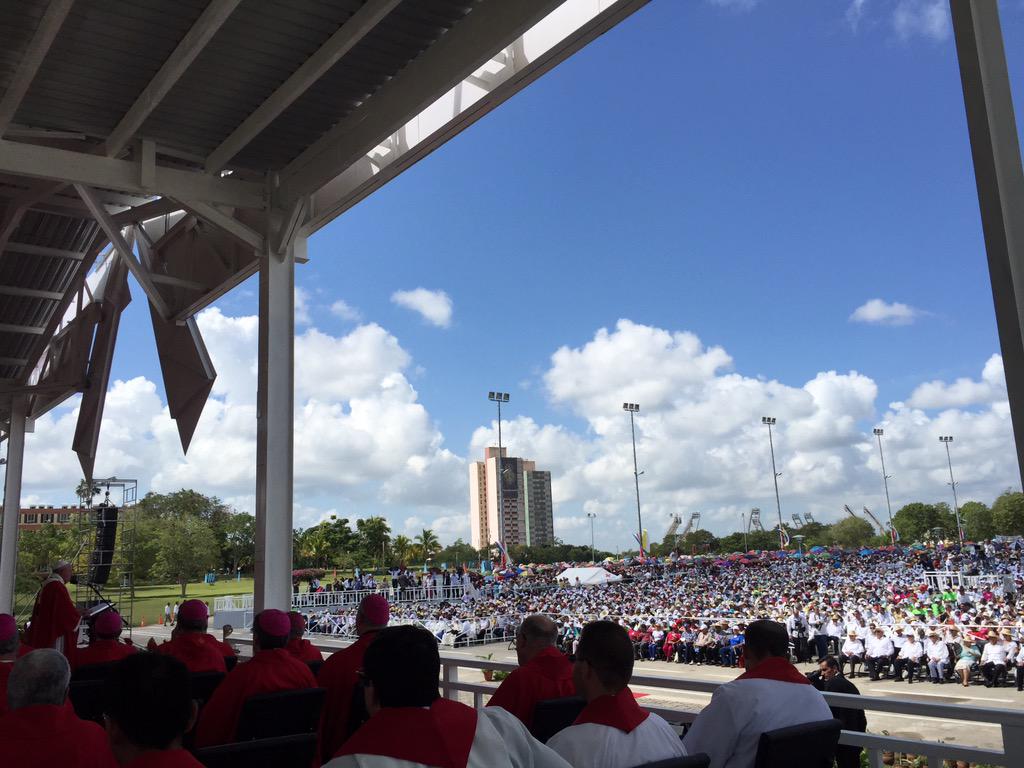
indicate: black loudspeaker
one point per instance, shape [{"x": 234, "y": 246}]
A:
[{"x": 103, "y": 549}]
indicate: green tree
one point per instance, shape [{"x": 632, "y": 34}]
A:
[
  {"x": 977, "y": 520},
  {"x": 1008, "y": 513},
  {"x": 85, "y": 492},
  {"x": 188, "y": 549},
  {"x": 401, "y": 549},
  {"x": 698, "y": 542},
  {"x": 916, "y": 520},
  {"x": 190, "y": 503},
  {"x": 373, "y": 534},
  {"x": 427, "y": 544},
  {"x": 240, "y": 536},
  {"x": 731, "y": 543},
  {"x": 852, "y": 532},
  {"x": 456, "y": 552}
]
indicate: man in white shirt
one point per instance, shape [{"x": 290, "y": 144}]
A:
[
  {"x": 771, "y": 694},
  {"x": 878, "y": 653},
  {"x": 400, "y": 670},
  {"x": 612, "y": 731},
  {"x": 938, "y": 656},
  {"x": 993, "y": 660},
  {"x": 909, "y": 658},
  {"x": 852, "y": 653}
]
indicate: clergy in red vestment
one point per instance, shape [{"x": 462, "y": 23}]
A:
[
  {"x": 300, "y": 648},
  {"x": 9, "y": 647},
  {"x": 271, "y": 669},
  {"x": 612, "y": 731},
  {"x": 411, "y": 726},
  {"x": 41, "y": 730},
  {"x": 338, "y": 676},
  {"x": 104, "y": 645},
  {"x": 544, "y": 671},
  {"x": 149, "y": 708},
  {"x": 55, "y": 618},
  {"x": 190, "y": 643}
]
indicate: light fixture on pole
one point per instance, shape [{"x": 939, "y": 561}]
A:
[
  {"x": 592, "y": 515},
  {"x": 499, "y": 398},
  {"x": 947, "y": 439},
  {"x": 743, "y": 527},
  {"x": 769, "y": 421},
  {"x": 632, "y": 408},
  {"x": 799, "y": 539},
  {"x": 885, "y": 482}
]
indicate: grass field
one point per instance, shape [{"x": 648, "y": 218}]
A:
[{"x": 151, "y": 599}]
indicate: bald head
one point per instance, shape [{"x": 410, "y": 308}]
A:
[
  {"x": 536, "y": 633},
  {"x": 39, "y": 677}
]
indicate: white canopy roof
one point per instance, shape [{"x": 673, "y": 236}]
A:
[{"x": 588, "y": 576}]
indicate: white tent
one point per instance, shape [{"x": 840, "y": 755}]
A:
[{"x": 588, "y": 576}]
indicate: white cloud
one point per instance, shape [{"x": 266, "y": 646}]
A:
[
  {"x": 881, "y": 312},
  {"x": 434, "y": 306},
  {"x": 302, "y": 308},
  {"x": 345, "y": 311},
  {"x": 922, "y": 18},
  {"x": 991, "y": 388},
  {"x": 854, "y": 13},
  {"x": 736, "y": 5}
]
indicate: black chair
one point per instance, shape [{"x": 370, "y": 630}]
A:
[
  {"x": 809, "y": 745},
  {"x": 282, "y": 713},
  {"x": 314, "y": 666},
  {"x": 93, "y": 671},
  {"x": 552, "y": 715},
  {"x": 699, "y": 760},
  {"x": 282, "y": 752},
  {"x": 204, "y": 684},
  {"x": 87, "y": 699},
  {"x": 230, "y": 662}
]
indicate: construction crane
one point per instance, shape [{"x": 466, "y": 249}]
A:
[
  {"x": 692, "y": 524},
  {"x": 882, "y": 531},
  {"x": 808, "y": 519},
  {"x": 754, "y": 521},
  {"x": 673, "y": 527},
  {"x": 797, "y": 521}
]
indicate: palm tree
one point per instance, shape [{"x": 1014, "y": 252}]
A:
[
  {"x": 82, "y": 492},
  {"x": 428, "y": 543},
  {"x": 402, "y": 548}
]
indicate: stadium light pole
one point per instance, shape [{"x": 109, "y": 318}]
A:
[
  {"x": 947, "y": 439},
  {"x": 743, "y": 527},
  {"x": 769, "y": 421},
  {"x": 592, "y": 515},
  {"x": 499, "y": 398},
  {"x": 885, "y": 481},
  {"x": 632, "y": 408}
]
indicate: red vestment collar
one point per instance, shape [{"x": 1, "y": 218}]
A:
[
  {"x": 619, "y": 711},
  {"x": 441, "y": 735},
  {"x": 776, "y": 668}
]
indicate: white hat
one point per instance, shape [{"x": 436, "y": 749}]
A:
[{"x": 61, "y": 564}]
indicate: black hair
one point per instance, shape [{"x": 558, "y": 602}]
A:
[
  {"x": 831, "y": 663},
  {"x": 767, "y": 638},
  {"x": 403, "y": 665},
  {"x": 606, "y": 647},
  {"x": 149, "y": 696}
]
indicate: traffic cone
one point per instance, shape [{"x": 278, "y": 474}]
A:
[
  {"x": 142, "y": 623},
  {"x": 161, "y": 620}
]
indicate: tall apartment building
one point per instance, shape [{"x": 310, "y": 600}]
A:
[{"x": 525, "y": 496}]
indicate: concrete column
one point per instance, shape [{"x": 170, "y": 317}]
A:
[
  {"x": 995, "y": 149},
  {"x": 275, "y": 429},
  {"x": 12, "y": 504}
]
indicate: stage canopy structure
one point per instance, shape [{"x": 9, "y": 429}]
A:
[
  {"x": 192, "y": 144},
  {"x": 587, "y": 576}
]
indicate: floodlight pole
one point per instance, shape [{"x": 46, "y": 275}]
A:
[
  {"x": 947, "y": 439},
  {"x": 743, "y": 526},
  {"x": 632, "y": 408},
  {"x": 885, "y": 482},
  {"x": 593, "y": 557},
  {"x": 769, "y": 421},
  {"x": 499, "y": 398}
]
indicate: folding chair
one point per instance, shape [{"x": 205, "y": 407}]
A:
[
  {"x": 809, "y": 745},
  {"x": 281, "y": 752},
  {"x": 282, "y": 713}
]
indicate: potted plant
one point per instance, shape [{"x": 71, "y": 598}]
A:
[{"x": 488, "y": 673}]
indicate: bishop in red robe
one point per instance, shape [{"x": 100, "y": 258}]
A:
[
  {"x": 190, "y": 643},
  {"x": 298, "y": 646},
  {"x": 55, "y": 618},
  {"x": 105, "y": 645}
]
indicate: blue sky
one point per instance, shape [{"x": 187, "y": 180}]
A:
[{"x": 748, "y": 172}]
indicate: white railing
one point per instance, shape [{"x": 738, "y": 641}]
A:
[
  {"x": 232, "y": 603},
  {"x": 956, "y": 579},
  {"x": 351, "y": 597},
  {"x": 1010, "y": 721}
]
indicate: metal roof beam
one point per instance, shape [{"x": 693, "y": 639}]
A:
[
  {"x": 97, "y": 171},
  {"x": 360, "y": 24},
  {"x": 31, "y": 330},
  {"x": 124, "y": 250},
  {"x": 490, "y": 26},
  {"x": 191, "y": 45},
  {"x": 15, "y": 362},
  {"x": 43, "y": 250},
  {"x": 30, "y": 62},
  {"x": 226, "y": 223},
  {"x": 31, "y": 293}
]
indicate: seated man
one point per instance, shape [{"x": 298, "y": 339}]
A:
[
  {"x": 411, "y": 725},
  {"x": 878, "y": 650},
  {"x": 830, "y": 678},
  {"x": 612, "y": 731},
  {"x": 993, "y": 660},
  {"x": 339, "y": 676},
  {"x": 852, "y": 653},
  {"x": 771, "y": 694},
  {"x": 909, "y": 658},
  {"x": 189, "y": 641},
  {"x": 544, "y": 671},
  {"x": 300, "y": 648},
  {"x": 271, "y": 669},
  {"x": 41, "y": 730},
  {"x": 104, "y": 645},
  {"x": 149, "y": 708},
  {"x": 937, "y": 653}
]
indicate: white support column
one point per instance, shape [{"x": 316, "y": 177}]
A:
[
  {"x": 275, "y": 424},
  {"x": 12, "y": 503}
]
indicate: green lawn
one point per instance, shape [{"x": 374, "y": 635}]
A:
[{"x": 151, "y": 599}]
